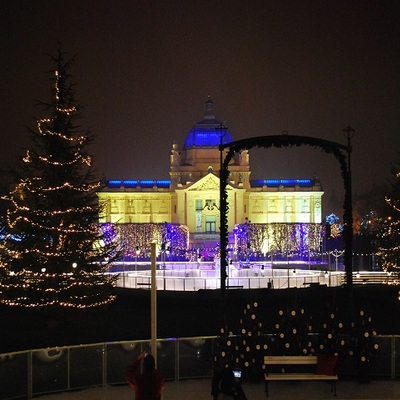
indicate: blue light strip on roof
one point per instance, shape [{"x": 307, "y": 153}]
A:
[
  {"x": 281, "y": 182},
  {"x": 163, "y": 183},
  {"x": 288, "y": 182},
  {"x": 272, "y": 182},
  {"x": 130, "y": 183},
  {"x": 304, "y": 182},
  {"x": 114, "y": 183},
  {"x": 144, "y": 183}
]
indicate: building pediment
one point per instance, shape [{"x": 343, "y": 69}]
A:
[{"x": 208, "y": 182}]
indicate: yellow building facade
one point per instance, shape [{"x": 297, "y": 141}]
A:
[{"x": 191, "y": 196}]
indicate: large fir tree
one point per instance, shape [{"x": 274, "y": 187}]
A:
[
  {"x": 54, "y": 252},
  {"x": 388, "y": 237}
]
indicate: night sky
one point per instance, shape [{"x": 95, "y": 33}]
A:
[{"x": 144, "y": 70}]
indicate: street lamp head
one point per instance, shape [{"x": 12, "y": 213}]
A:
[
  {"x": 221, "y": 130},
  {"x": 348, "y": 132}
]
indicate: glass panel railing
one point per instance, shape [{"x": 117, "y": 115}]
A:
[
  {"x": 49, "y": 370},
  {"x": 86, "y": 366},
  {"x": 119, "y": 357},
  {"x": 396, "y": 357},
  {"x": 381, "y": 361},
  {"x": 195, "y": 358},
  {"x": 167, "y": 358},
  {"x": 14, "y": 375},
  {"x": 24, "y": 375}
]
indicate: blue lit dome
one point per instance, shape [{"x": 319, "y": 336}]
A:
[{"x": 207, "y": 133}]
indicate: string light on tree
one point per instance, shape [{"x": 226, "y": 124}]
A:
[
  {"x": 388, "y": 232},
  {"x": 52, "y": 216}
]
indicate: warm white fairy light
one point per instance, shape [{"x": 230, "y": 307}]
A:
[
  {"x": 79, "y": 158},
  {"x": 35, "y": 281},
  {"x": 43, "y": 130},
  {"x": 72, "y": 229},
  {"x": 291, "y": 338},
  {"x": 46, "y": 236},
  {"x": 67, "y": 111},
  {"x": 33, "y": 186}
]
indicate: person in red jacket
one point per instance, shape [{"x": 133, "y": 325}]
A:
[{"x": 147, "y": 384}]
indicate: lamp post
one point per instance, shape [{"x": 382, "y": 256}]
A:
[
  {"x": 348, "y": 217},
  {"x": 153, "y": 303},
  {"x": 123, "y": 273},
  {"x": 327, "y": 275},
  {"x": 221, "y": 129},
  {"x": 349, "y": 133},
  {"x": 137, "y": 255},
  {"x": 337, "y": 253},
  {"x": 166, "y": 253}
]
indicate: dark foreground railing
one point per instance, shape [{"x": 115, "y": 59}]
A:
[{"x": 26, "y": 374}]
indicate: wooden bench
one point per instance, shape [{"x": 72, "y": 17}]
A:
[{"x": 296, "y": 376}]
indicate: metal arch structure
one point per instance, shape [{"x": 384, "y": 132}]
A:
[{"x": 339, "y": 151}]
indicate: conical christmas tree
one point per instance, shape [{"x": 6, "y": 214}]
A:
[
  {"x": 388, "y": 237},
  {"x": 54, "y": 252},
  {"x": 252, "y": 343}
]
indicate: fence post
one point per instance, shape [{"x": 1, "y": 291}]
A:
[
  {"x": 30, "y": 379},
  {"x": 104, "y": 350},
  {"x": 177, "y": 360},
  {"x": 68, "y": 368},
  {"x": 393, "y": 357}
]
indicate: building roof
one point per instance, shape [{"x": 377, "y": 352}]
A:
[
  {"x": 209, "y": 131},
  {"x": 281, "y": 182},
  {"x": 254, "y": 183}
]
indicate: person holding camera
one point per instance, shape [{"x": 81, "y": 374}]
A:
[
  {"x": 227, "y": 385},
  {"x": 148, "y": 383}
]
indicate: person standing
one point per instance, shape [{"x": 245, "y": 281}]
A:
[{"x": 148, "y": 383}]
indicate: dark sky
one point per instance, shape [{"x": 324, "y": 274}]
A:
[{"x": 144, "y": 70}]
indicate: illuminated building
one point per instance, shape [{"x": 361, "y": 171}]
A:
[{"x": 191, "y": 196}]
